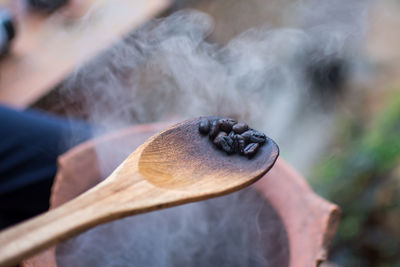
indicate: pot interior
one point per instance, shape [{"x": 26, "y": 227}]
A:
[{"x": 240, "y": 229}]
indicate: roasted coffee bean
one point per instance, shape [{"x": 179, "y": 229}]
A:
[
  {"x": 235, "y": 142},
  {"x": 235, "y": 138},
  {"x": 246, "y": 135},
  {"x": 227, "y": 144},
  {"x": 257, "y": 137},
  {"x": 217, "y": 140},
  {"x": 253, "y": 136},
  {"x": 214, "y": 129},
  {"x": 240, "y": 127},
  {"x": 204, "y": 126},
  {"x": 242, "y": 146},
  {"x": 226, "y": 124},
  {"x": 251, "y": 149},
  {"x": 240, "y": 143}
]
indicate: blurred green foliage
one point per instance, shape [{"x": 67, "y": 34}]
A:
[{"x": 363, "y": 178}]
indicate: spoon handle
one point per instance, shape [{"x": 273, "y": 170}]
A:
[{"x": 103, "y": 203}]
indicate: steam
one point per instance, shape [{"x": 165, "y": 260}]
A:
[
  {"x": 241, "y": 229},
  {"x": 270, "y": 78},
  {"x": 167, "y": 70}
]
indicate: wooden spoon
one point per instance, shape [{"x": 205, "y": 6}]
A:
[{"x": 173, "y": 167}]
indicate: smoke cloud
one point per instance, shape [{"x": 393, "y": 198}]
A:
[
  {"x": 240, "y": 229},
  {"x": 271, "y": 78},
  {"x": 264, "y": 76}
]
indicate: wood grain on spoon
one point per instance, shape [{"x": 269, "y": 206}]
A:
[{"x": 173, "y": 167}]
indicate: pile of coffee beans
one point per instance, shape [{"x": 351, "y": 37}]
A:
[{"x": 232, "y": 136}]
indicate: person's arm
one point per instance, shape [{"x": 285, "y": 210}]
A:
[{"x": 30, "y": 142}]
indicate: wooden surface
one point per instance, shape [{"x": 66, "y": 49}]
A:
[
  {"x": 48, "y": 48},
  {"x": 309, "y": 220},
  {"x": 173, "y": 167}
]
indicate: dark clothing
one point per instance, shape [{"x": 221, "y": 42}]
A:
[{"x": 30, "y": 143}]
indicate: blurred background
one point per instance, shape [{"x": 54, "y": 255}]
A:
[{"x": 320, "y": 77}]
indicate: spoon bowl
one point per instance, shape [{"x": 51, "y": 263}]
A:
[
  {"x": 176, "y": 166},
  {"x": 182, "y": 159}
]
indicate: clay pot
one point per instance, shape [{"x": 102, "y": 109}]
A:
[{"x": 309, "y": 220}]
